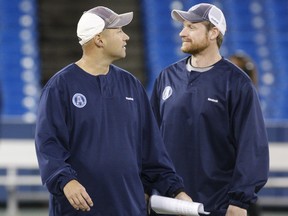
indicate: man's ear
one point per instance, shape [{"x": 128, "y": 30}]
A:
[
  {"x": 98, "y": 40},
  {"x": 213, "y": 33}
]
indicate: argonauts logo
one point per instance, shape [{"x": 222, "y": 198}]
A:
[
  {"x": 79, "y": 100},
  {"x": 167, "y": 92}
]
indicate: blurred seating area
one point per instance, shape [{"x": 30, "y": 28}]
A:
[
  {"x": 257, "y": 27},
  {"x": 19, "y": 82},
  {"x": 19, "y": 59}
]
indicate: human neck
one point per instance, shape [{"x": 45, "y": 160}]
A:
[
  {"x": 205, "y": 60},
  {"x": 94, "y": 66}
]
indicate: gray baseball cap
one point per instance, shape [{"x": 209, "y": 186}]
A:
[
  {"x": 202, "y": 12},
  {"x": 97, "y": 19}
]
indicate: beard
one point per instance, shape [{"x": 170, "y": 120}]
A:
[{"x": 194, "y": 47}]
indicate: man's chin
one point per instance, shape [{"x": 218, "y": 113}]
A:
[{"x": 184, "y": 50}]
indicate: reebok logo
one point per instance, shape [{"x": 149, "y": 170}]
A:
[
  {"x": 129, "y": 98},
  {"x": 213, "y": 100}
]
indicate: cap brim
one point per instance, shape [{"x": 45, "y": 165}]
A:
[
  {"x": 181, "y": 16},
  {"x": 121, "y": 20}
]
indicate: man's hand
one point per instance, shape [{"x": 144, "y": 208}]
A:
[
  {"x": 236, "y": 211},
  {"x": 183, "y": 196},
  {"x": 77, "y": 196}
]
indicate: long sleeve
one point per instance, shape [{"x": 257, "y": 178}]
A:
[
  {"x": 251, "y": 144},
  {"x": 158, "y": 172},
  {"x": 52, "y": 141}
]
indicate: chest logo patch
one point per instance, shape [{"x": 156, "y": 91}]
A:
[
  {"x": 167, "y": 92},
  {"x": 79, "y": 100}
]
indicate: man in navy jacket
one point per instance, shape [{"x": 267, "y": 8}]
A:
[
  {"x": 98, "y": 145},
  {"x": 210, "y": 117}
]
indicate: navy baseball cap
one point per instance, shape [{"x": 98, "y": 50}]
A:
[
  {"x": 202, "y": 12},
  {"x": 97, "y": 19}
]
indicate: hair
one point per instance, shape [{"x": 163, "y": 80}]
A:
[
  {"x": 243, "y": 61},
  {"x": 209, "y": 26}
]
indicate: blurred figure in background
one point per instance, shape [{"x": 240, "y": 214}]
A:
[{"x": 245, "y": 62}]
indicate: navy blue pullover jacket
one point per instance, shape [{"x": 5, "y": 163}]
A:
[
  {"x": 101, "y": 131},
  {"x": 214, "y": 131}
]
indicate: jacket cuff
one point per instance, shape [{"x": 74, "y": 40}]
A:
[
  {"x": 173, "y": 194},
  {"x": 64, "y": 181},
  {"x": 239, "y": 204}
]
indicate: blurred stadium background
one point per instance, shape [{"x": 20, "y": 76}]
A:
[{"x": 37, "y": 38}]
